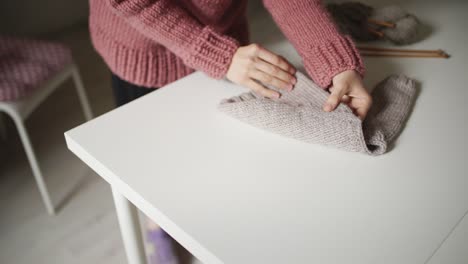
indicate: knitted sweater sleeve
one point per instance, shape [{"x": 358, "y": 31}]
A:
[
  {"x": 309, "y": 27},
  {"x": 200, "y": 47}
]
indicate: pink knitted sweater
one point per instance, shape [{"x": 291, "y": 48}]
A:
[{"x": 154, "y": 42}]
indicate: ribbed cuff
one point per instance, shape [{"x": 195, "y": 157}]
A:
[
  {"x": 330, "y": 58},
  {"x": 212, "y": 53}
]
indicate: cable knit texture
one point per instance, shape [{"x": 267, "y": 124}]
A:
[
  {"x": 298, "y": 114},
  {"x": 154, "y": 42}
]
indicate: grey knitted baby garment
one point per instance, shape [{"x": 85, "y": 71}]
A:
[{"x": 298, "y": 114}]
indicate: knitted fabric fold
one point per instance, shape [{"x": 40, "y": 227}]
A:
[{"x": 298, "y": 114}]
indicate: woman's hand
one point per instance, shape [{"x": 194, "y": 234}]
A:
[
  {"x": 253, "y": 64},
  {"x": 347, "y": 87}
]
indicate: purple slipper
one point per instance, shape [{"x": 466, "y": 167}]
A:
[{"x": 159, "y": 247}]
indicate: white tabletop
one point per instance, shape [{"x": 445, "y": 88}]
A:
[
  {"x": 231, "y": 193},
  {"x": 455, "y": 249}
]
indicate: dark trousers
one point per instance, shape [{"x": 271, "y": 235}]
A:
[{"x": 125, "y": 92}]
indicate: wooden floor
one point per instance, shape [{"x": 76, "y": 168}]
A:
[{"x": 85, "y": 229}]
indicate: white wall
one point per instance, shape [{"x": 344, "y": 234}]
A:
[{"x": 36, "y": 17}]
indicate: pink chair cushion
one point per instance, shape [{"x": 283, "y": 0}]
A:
[{"x": 26, "y": 63}]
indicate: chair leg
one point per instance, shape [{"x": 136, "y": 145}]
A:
[
  {"x": 34, "y": 165},
  {"x": 81, "y": 94}
]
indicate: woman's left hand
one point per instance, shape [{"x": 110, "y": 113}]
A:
[{"x": 347, "y": 87}]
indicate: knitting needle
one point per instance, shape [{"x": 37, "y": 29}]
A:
[
  {"x": 407, "y": 51},
  {"x": 407, "y": 55},
  {"x": 381, "y": 23},
  {"x": 367, "y": 48},
  {"x": 375, "y": 32}
]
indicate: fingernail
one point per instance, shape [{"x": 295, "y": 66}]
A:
[
  {"x": 294, "y": 80},
  {"x": 327, "y": 108},
  {"x": 276, "y": 95},
  {"x": 290, "y": 87}
]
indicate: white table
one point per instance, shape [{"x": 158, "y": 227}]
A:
[{"x": 231, "y": 193}]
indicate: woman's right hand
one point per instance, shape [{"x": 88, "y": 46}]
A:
[{"x": 253, "y": 65}]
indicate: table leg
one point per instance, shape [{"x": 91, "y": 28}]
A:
[{"x": 127, "y": 214}]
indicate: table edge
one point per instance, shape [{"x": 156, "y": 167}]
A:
[{"x": 162, "y": 220}]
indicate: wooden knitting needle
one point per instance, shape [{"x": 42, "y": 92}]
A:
[
  {"x": 437, "y": 53},
  {"x": 367, "y": 48},
  {"x": 375, "y": 32},
  {"x": 407, "y": 55},
  {"x": 381, "y": 23}
]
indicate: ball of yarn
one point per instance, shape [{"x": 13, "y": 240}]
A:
[
  {"x": 351, "y": 18},
  {"x": 389, "y": 13},
  {"x": 406, "y": 25},
  {"x": 405, "y": 31}
]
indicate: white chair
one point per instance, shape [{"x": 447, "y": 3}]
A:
[{"x": 20, "y": 108}]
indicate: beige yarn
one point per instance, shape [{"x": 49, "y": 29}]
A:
[{"x": 298, "y": 114}]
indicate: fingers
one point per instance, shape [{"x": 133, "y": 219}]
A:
[
  {"x": 275, "y": 71},
  {"x": 252, "y": 65},
  {"x": 274, "y": 59},
  {"x": 334, "y": 99},
  {"x": 270, "y": 79},
  {"x": 262, "y": 90},
  {"x": 361, "y": 113},
  {"x": 361, "y": 106},
  {"x": 349, "y": 89},
  {"x": 345, "y": 99}
]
